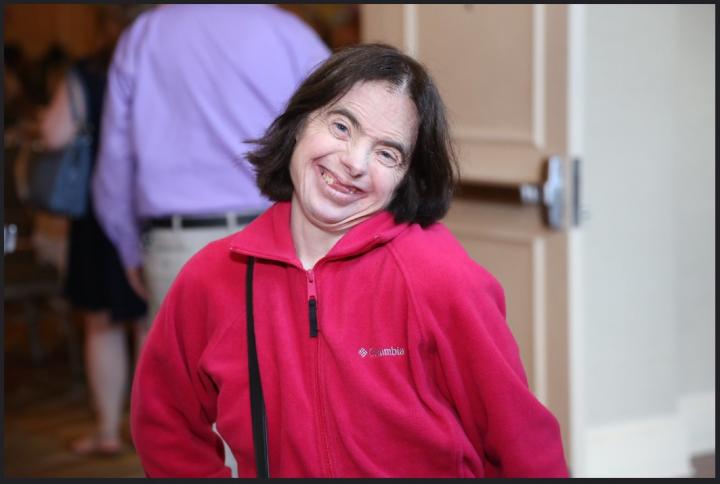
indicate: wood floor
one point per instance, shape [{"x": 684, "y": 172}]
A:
[{"x": 46, "y": 406}]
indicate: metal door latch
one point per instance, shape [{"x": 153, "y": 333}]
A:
[{"x": 550, "y": 194}]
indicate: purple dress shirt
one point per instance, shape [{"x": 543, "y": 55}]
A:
[{"x": 187, "y": 86}]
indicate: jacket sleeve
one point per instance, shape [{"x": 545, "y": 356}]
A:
[
  {"x": 517, "y": 435},
  {"x": 172, "y": 402}
]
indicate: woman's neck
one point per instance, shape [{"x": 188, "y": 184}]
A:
[{"x": 311, "y": 242}]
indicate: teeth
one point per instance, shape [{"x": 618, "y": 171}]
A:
[
  {"x": 328, "y": 177},
  {"x": 330, "y": 180}
]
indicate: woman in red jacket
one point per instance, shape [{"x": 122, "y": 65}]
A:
[{"x": 367, "y": 340}]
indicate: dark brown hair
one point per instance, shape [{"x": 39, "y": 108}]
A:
[{"x": 425, "y": 192}]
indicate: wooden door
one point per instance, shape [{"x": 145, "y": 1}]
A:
[{"x": 501, "y": 70}]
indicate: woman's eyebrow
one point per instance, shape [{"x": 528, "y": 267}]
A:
[
  {"x": 356, "y": 124},
  {"x": 347, "y": 114}
]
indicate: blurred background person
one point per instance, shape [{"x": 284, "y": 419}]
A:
[
  {"x": 95, "y": 279},
  {"x": 18, "y": 113},
  {"x": 49, "y": 73},
  {"x": 187, "y": 86},
  {"x": 17, "y": 103}
]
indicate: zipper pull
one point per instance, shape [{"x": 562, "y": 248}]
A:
[{"x": 312, "y": 304}]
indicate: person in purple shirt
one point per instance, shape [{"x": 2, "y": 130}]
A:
[{"x": 188, "y": 85}]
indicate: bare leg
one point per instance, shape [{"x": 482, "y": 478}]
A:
[{"x": 106, "y": 363}]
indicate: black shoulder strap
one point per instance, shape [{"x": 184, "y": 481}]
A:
[{"x": 257, "y": 403}]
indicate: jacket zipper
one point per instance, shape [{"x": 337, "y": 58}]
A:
[
  {"x": 319, "y": 397},
  {"x": 312, "y": 303}
]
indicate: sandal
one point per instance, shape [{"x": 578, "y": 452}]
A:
[{"x": 94, "y": 445}]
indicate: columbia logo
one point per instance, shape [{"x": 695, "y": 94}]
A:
[{"x": 381, "y": 352}]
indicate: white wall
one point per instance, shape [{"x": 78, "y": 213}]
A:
[
  {"x": 694, "y": 173},
  {"x": 646, "y": 346},
  {"x": 695, "y": 222}
]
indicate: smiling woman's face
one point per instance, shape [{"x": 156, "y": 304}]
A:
[{"x": 351, "y": 155}]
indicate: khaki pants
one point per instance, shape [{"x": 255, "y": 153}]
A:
[{"x": 167, "y": 250}]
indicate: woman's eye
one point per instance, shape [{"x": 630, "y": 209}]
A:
[
  {"x": 388, "y": 157},
  {"x": 340, "y": 128}
]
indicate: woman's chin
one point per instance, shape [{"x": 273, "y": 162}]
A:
[
  {"x": 332, "y": 222},
  {"x": 337, "y": 220},
  {"x": 330, "y": 216}
]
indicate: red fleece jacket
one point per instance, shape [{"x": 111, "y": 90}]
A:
[{"x": 413, "y": 372}]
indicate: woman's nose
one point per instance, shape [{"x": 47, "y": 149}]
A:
[{"x": 355, "y": 160}]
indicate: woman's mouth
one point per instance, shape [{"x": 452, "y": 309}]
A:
[{"x": 331, "y": 181}]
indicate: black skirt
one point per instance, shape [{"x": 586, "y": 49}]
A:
[{"x": 95, "y": 277}]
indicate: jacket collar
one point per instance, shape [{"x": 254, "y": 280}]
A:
[{"x": 269, "y": 236}]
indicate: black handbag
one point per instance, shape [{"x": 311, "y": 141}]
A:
[
  {"x": 59, "y": 180},
  {"x": 257, "y": 402}
]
